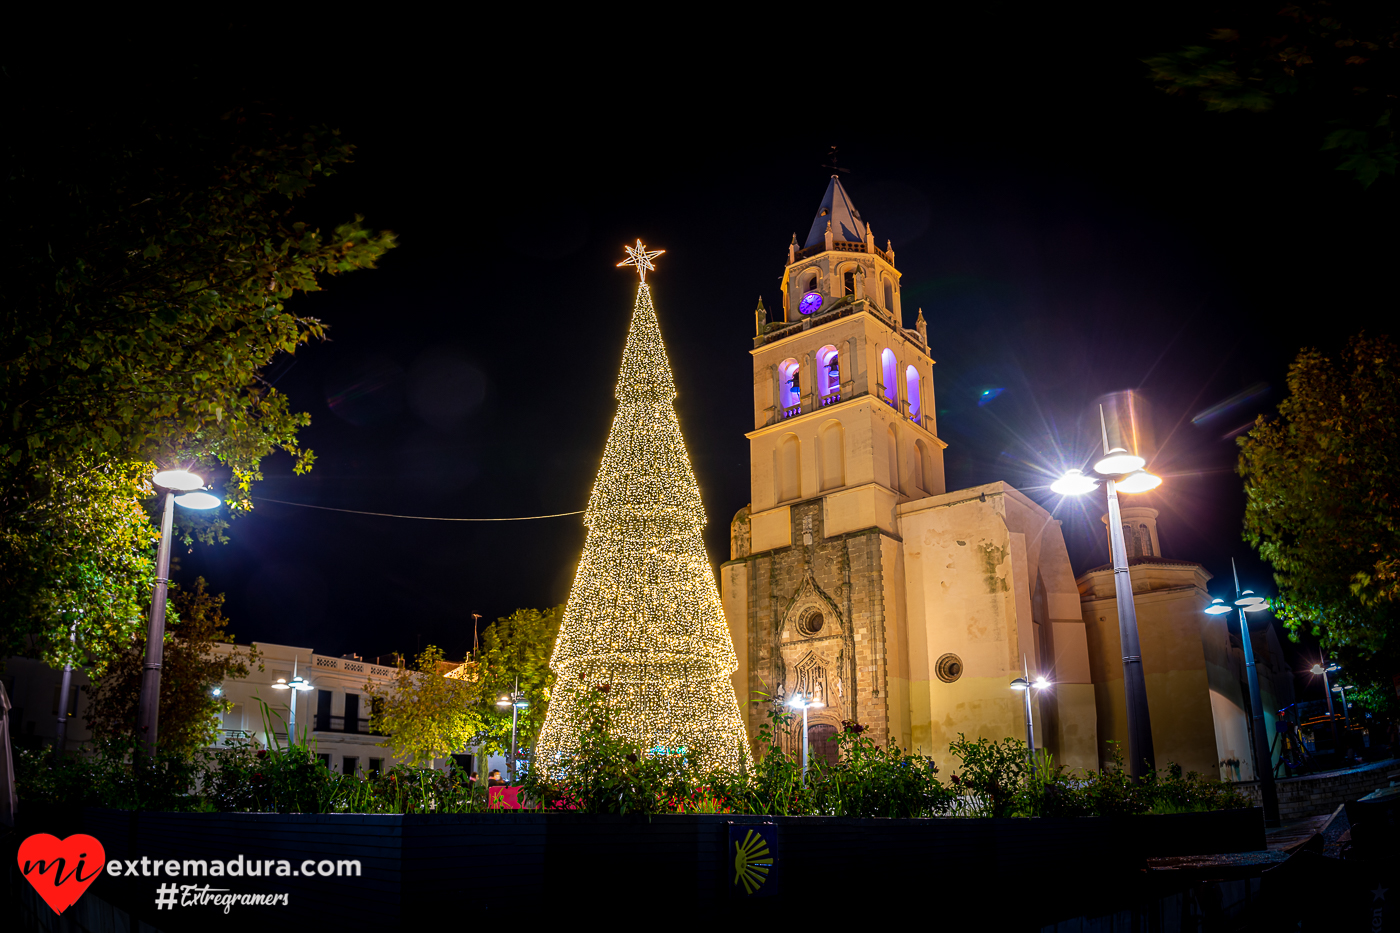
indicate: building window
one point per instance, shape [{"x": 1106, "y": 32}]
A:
[
  {"x": 349, "y": 764},
  {"x": 352, "y": 712},
  {"x": 889, "y": 296},
  {"x": 376, "y": 766},
  {"x": 1146, "y": 536},
  {"x": 325, "y": 761},
  {"x": 911, "y": 384},
  {"x": 809, "y": 283},
  {"x": 789, "y": 387},
  {"x": 920, "y": 475},
  {"x": 323, "y": 711},
  {"x": 829, "y": 373},
  {"x": 889, "y": 374},
  {"x": 949, "y": 668},
  {"x": 848, "y": 282}
]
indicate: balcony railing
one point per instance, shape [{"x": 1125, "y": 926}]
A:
[
  {"x": 353, "y": 667},
  {"x": 358, "y": 726},
  {"x": 792, "y": 411},
  {"x": 830, "y": 399}
]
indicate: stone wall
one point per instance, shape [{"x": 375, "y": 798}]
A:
[
  {"x": 1316, "y": 794},
  {"x": 844, "y": 574}
]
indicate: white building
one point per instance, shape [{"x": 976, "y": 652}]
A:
[{"x": 334, "y": 715}]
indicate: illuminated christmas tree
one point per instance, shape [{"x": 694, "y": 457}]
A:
[{"x": 644, "y": 613}]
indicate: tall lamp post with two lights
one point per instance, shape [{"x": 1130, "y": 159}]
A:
[
  {"x": 1247, "y": 602},
  {"x": 516, "y": 701},
  {"x": 297, "y": 684},
  {"x": 1122, "y": 471},
  {"x": 1324, "y": 670},
  {"x": 1025, "y": 685},
  {"x": 178, "y": 487}
]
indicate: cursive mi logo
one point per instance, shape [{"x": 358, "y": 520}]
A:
[{"x": 61, "y": 869}]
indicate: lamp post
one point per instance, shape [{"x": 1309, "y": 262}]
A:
[
  {"x": 804, "y": 702},
  {"x": 1324, "y": 670},
  {"x": 1122, "y": 471},
  {"x": 1025, "y": 685},
  {"x": 516, "y": 701},
  {"x": 1259, "y": 745},
  {"x": 1346, "y": 716},
  {"x": 61, "y": 735},
  {"x": 170, "y": 482},
  {"x": 297, "y": 684}
]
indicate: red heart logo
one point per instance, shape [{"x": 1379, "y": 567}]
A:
[{"x": 61, "y": 869}]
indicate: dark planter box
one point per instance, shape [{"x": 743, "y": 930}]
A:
[{"x": 411, "y": 866}]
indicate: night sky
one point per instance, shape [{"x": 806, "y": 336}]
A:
[{"x": 1067, "y": 230}]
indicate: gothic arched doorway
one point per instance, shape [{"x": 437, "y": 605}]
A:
[{"x": 821, "y": 744}]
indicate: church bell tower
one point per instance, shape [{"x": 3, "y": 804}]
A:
[{"x": 844, "y": 432}]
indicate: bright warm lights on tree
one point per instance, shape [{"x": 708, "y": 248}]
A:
[{"x": 644, "y": 614}]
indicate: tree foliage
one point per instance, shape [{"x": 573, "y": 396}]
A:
[
  {"x": 1321, "y": 485},
  {"x": 190, "y": 670},
  {"x": 516, "y": 649},
  {"x": 150, "y": 260},
  {"x": 424, "y": 713},
  {"x": 1333, "y": 64}
]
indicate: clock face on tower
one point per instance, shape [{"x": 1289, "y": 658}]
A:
[{"x": 810, "y": 302}]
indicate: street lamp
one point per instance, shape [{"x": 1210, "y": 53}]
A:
[
  {"x": 297, "y": 684},
  {"x": 1122, "y": 470},
  {"x": 804, "y": 702},
  {"x": 1025, "y": 685},
  {"x": 1346, "y": 716},
  {"x": 516, "y": 701},
  {"x": 1324, "y": 670},
  {"x": 1259, "y": 744},
  {"x": 172, "y": 482}
]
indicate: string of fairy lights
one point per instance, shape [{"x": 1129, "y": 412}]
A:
[{"x": 644, "y": 614}]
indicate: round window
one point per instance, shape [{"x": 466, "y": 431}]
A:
[
  {"x": 811, "y": 623},
  {"x": 949, "y": 668}
]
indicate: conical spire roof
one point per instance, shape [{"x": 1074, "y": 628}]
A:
[{"x": 837, "y": 209}]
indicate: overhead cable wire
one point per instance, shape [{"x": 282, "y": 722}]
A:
[{"x": 421, "y": 518}]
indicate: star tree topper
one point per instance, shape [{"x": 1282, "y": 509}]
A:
[{"x": 640, "y": 258}]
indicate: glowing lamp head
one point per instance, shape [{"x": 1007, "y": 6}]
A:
[
  {"x": 1218, "y": 607},
  {"x": 1317, "y": 668},
  {"x": 281, "y": 684},
  {"x": 197, "y": 500},
  {"x": 1020, "y": 684},
  {"x": 179, "y": 480},
  {"x": 1118, "y": 463},
  {"x": 218, "y": 691},
  {"x": 1247, "y": 599},
  {"x": 1140, "y": 481},
  {"x": 1073, "y": 483},
  {"x": 1040, "y": 683}
]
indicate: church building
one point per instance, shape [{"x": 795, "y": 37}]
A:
[{"x": 856, "y": 576}]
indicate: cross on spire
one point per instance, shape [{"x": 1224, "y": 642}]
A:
[{"x": 640, "y": 258}]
